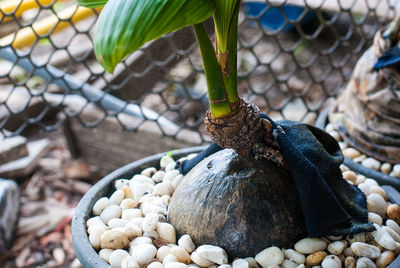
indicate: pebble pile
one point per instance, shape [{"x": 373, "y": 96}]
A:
[
  {"x": 357, "y": 156},
  {"x": 129, "y": 230}
]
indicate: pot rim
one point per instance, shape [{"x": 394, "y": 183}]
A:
[{"x": 83, "y": 249}]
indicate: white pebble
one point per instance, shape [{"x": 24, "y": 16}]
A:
[
  {"x": 137, "y": 179},
  {"x": 100, "y": 204},
  {"x": 224, "y": 266},
  {"x": 392, "y": 233},
  {"x": 386, "y": 168},
  {"x": 163, "y": 188},
  {"x": 213, "y": 253},
  {"x": 186, "y": 242},
  {"x": 116, "y": 222},
  {"x": 95, "y": 235},
  {"x": 167, "y": 232},
  {"x": 331, "y": 261},
  {"x": 252, "y": 262},
  {"x": 371, "y": 163},
  {"x": 94, "y": 221},
  {"x": 114, "y": 239},
  {"x": 377, "y": 204},
  {"x": 138, "y": 221},
  {"x": 350, "y": 262},
  {"x": 361, "y": 237},
  {"x": 289, "y": 264},
  {"x": 150, "y": 222},
  {"x": 149, "y": 172},
  {"x": 153, "y": 208},
  {"x": 270, "y": 256},
  {"x": 392, "y": 224},
  {"x": 129, "y": 262},
  {"x": 293, "y": 255},
  {"x": 351, "y": 153},
  {"x": 375, "y": 218},
  {"x": 171, "y": 175},
  {"x": 360, "y": 158},
  {"x": 365, "y": 263},
  {"x": 132, "y": 230},
  {"x": 337, "y": 247},
  {"x": 365, "y": 250},
  {"x": 155, "y": 264},
  {"x": 131, "y": 213},
  {"x": 121, "y": 183},
  {"x": 169, "y": 258},
  {"x": 383, "y": 238},
  {"x": 117, "y": 197},
  {"x": 105, "y": 254},
  {"x": 310, "y": 245},
  {"x": 152, "y": 234},
  {"x": 175, "y": 265},
  {"x": 197, "y": 259},
  {"x": 128, "y": 203},
  {"x": 110, "y": 212},
  {"x": 117, "y": 256},
  {"x": 141, "y": 240},
  {"x": 240, "y": 263},
  {"x": 365, "y": 188},
  {"x": 181, "y": 254},
  {"x": 165, "y": 160},
  {"x": 396, "y": 170},
  {"x": 97, "y": 226},
  {"x": 144, "y": 253},
  {"x": 159, "y": 176},
  {"x": 141, "y": 189},
  {"x": 162, "y": 252}
]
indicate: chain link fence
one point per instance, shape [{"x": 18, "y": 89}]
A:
[{"x": 294, "y": 55}]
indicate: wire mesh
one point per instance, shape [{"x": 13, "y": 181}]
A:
[{"x": 293, "y": 56}]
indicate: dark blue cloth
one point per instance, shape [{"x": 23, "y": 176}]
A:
[
  {"x": 390, "y": 58},
  {"x": 330, "y": 205}
]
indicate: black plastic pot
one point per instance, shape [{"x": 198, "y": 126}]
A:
[
  {"x": 381, "y": 178},
  {"x": 84, "y": 251}
]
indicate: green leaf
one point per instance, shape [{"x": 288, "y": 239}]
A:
[
  {"x": 126, "y": 25},
  {"x": 224, "y": 11},
  {"x": 92, "y": 3}
]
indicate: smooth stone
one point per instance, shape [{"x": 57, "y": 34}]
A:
[
  {"x": 348, "y": 252},
  {"x": 350, "y": 176},
  {"x": 148, "y": 172},
  {"x": 114, "y": 239},
  {"x": 117, "y": 256},
  {"x": 378, "y": 190},
  {"x": 167, "y": 232},
  {"x": 310, "y": 245},
  {"x": 144, "y": 253},
  {"x": 171, "y": 175},
  {"x": 213, "y": 254},
  {"x": 396, "y": 170},
  {"x": 252, "y": 262},
  {"x": 181, "y": 254},
  {"x": 105, "y": 254},
  {"x": 240, "y": 263},
  {"x": 174, "y": 264},
  {"x": 9, "y": 211},
  {"x": 155, "y": 264},
  {"x": 158, "y": 176},
  {"x": 371, "y": 163},
  {"x": 116, "y": 222},
  {"x": 385, "y": 259},
  {"x": 150, "y": 222},
  {"x": 361, "y": 237},
  {"x": 110, "y": 212},
  {"x": 383, "y": 238},
  {"x": 392, "y": 224},
  {"x": 119, "y": 184},
  {"x": 197, "y": 259},
  {"x": 350, "y": 262},
  {"x": 140, "y": 189},
  {"x": 270, "y": 256},
  {"x": 129, "y": 262},
  {"x": 100, "y": 204},
  {"x": 365, "y": 263},
  {"x": 331, "y": 261},
  {"x": 351, "y": 153},
  {"x": 376, "y": 204},
  {"x": 393, "y": 212},
  {"x": 117, "y": 197},
  {"x": 386, "y": 168},
  {"x": 289, "y": 264},
  {"x": 337, "y": 247},
  {"x": 187, "y": 243},
  {"x": 165, "y": 160},
  {"x": 392, "y": 233},
  {"x": 295, "y": 256},
  {"x": 315, "y": 258},
  {"x": 162, "y": 252},
  {"x": 365, "y": 250},
  {"x": 163, "y": 188},
  {"x": 128, "y": 203},
  {"x": 375, "y": 218}
]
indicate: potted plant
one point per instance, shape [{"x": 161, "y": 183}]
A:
[{"x": 276, "y": 182}]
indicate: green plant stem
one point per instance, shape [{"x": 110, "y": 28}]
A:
[
  {"x": 219, "y": 104},
  {"x": 230, "y": 74}
]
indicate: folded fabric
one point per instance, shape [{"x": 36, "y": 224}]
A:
[{"x": 330, "y": 205}]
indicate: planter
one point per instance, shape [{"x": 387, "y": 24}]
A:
[
  {"x": 381, "y": 178},
  {"x": 84, "y": 251}
]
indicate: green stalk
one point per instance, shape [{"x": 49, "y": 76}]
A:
[
  {"x": 230, "y": 74},
  {"x": 219, "y": 104}
]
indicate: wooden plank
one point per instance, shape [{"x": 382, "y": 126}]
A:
[{"x": 107, "y": 147}]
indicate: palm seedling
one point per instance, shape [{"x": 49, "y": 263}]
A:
[{"x": 264, "y": 193}]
